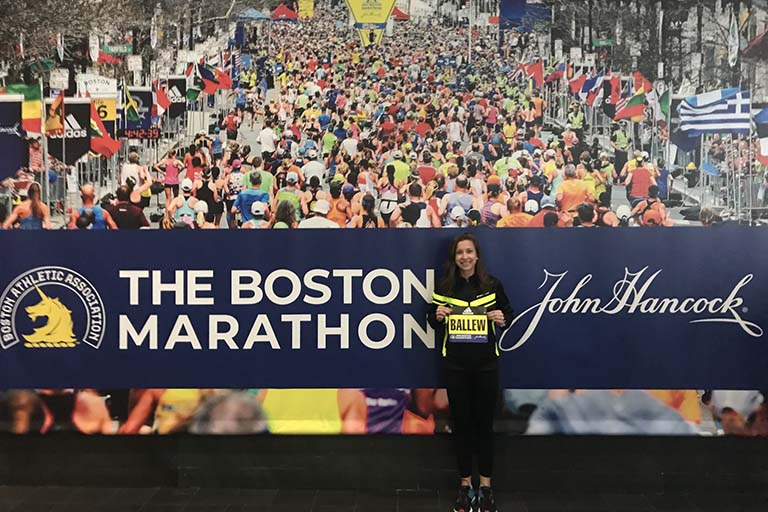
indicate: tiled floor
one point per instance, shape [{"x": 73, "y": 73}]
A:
[{"x": 84, "y": 499}]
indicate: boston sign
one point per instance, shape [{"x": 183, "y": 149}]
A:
[{"x": 624, "y": 308}]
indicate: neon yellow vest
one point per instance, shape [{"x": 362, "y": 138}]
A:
[{"x": 303, "y": 411}]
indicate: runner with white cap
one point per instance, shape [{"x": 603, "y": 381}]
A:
[
  {"x": 182, "y": 208},
  {"x": 258, "y": 218},
  {"x": 320, "y": 219}
]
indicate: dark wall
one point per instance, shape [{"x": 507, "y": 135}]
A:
[{"x": 626, "y": 464}]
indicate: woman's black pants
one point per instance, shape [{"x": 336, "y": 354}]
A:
[{"x": 472, "y": 394}]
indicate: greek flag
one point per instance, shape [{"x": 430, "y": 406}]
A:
[{"x": 723, "y": 111}]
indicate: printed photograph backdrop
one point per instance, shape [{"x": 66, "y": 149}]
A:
[
  {"x": 89, "y": 384},
  {"x": 378, "y": 411}
]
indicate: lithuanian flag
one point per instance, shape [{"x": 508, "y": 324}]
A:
[{"x": 31, "y": 108}]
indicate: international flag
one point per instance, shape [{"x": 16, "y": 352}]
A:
[
  {"x": 225, "y": 81},
  {"x": 557, "y": 73},
  {"x": 536, "y": 72},
  {"x": 54, "y": 120},
  {"x": 31, "y": 108},
  {"x": 641, "y": 84},
  {"x": 131, "y": 108},
  {"x": 193, "y": 93},
  {"x": 106, "y": 58},
  {"x": 207, "y": 77},
  {"x": 101, "y": 142},
  {"x": 161, "y": 99},
  {"x": 761, "y": 123},
  {"x": 595, "y": 94},
  {"x": 633, "y": 108},
  {"x": 722, "y": 111},
  {"x": 577, "y": 82},
  {"x": 519, "y": 73},
  {"x": 591, "y": 84},
  {"x": 625, "y": 95},
  {"x": 661, "y": 108}
]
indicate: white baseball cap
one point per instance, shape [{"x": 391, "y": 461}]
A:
[
  {"x": 742, "y": 402},
  {"x": 258, "y": 208},
  {"x": 187, "y": 185},
  {"x": 457, "y": 212}
]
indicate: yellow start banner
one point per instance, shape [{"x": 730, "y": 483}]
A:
[
  {"x": 371, "y": 11},
  {"x": 306, "y": 8}
]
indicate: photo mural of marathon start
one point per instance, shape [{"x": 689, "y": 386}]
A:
[{"x": 618, "y": 332}]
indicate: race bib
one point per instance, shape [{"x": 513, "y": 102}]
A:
[{"x": 468, "y": 326}]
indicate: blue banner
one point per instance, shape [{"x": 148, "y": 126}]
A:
[
  {"x": 522, "y": 14},
  {"x": 11, "y": 141},
  {"x": 628, "y": 308}
]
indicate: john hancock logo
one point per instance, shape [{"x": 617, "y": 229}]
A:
[{"x": 51, "y": 307}]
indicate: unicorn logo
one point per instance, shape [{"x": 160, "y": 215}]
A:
[{"x": 57, "y": 331}]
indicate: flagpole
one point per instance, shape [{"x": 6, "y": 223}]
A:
[
  {"x": 46, "y": 163},
  {"x": 64, "y": 135},
  {"x": 750, "y": 162},
  {"x": 469, "y": 31},
  {"x": 668, "y": 148}
]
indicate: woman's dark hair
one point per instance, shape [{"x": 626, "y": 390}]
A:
[
  {"x": 369, "y": 205},
  {"x": 390, "y": 170},
  {"x": 215, "y": 172},
  {"x": 35, "y": 203},
  {"x": 448, "y": 283},
  {"x": 284, "y": 213}
]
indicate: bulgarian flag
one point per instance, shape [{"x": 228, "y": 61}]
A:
[
  {"x": 634, "y": 108},
  {"x": 131, "y": 107},
  {"x": 101, "y": 142},
  {"x": 31, "y": 108}
]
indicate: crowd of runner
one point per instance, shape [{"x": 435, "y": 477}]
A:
[{"x": 404, "y": 135}]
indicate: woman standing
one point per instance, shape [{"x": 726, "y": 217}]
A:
[{"x": 473, "y": 309}]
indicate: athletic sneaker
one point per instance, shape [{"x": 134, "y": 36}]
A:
[
  {"x": 486, "y": 503},
  {"x": 465, "y": 499}
]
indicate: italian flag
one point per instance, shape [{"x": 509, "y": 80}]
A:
[{"x": 634, "y": 108}]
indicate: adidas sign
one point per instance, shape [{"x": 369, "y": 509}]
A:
[
  {"x": 175, "y": 96},
  {"x": 72, "y": 129}
]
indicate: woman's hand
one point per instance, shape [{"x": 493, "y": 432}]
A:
[
  {"x": 442, "y": 312},
  {"x": 496, "y": 317}
]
